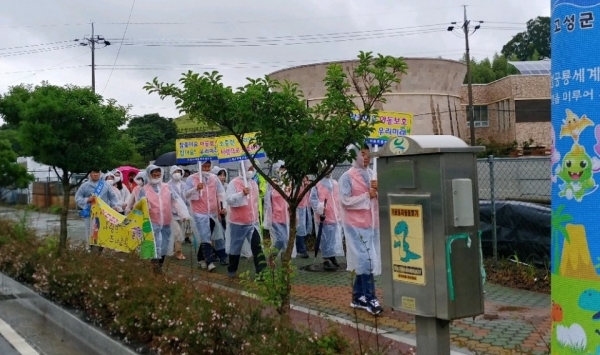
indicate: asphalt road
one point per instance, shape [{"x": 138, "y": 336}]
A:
[{"x": 6, "y": 348}]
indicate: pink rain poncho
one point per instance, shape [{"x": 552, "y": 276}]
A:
[
  {"x": 360, "y": 219},
  {"x": 331, "y": 235},
  {"x": 162, "y": 202},
  {"x": 277, "y": 218}
]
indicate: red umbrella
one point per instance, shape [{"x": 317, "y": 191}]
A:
[{"x": 127, "y": 171}]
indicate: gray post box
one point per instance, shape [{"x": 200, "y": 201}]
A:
[{"x": 429, "y": 222}]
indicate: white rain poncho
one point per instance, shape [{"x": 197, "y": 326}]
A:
[
  {"x": 124, "y": 191},
  {"x": 86, "y": 190},
  {"x": 331, "y": 235},
  {"x": 242, "y": 218},
  {"x": 140, "y": 180},
  {"x": 360, "y": 219},
  {"x": 177, "y": 186},
  {"x": 216, "y": 170}
]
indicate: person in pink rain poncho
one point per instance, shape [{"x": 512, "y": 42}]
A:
[{"x": 360, "y": 221}]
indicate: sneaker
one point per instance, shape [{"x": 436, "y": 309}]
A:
[
  {"x": 303, "y": 255},
  {"x": 374, "y": 307},
  {"x": 231, "y": 274},
  {"x": 211, "y": 267},
  {"x": 334, "y": 261},
  {"x": 224, "y": 262},
  {"x": 360, "y": 303},
  {"x": 202, "y": 264}
]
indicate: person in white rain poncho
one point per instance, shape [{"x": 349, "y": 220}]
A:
[
  {"x": 177, "y": 229},
  {"x": 360, "y": 221},
  {"x": 331, "y": 234},
  {"x": 242, "y": 224},
  {"x": 221, "y": 174},
  {"x": 140, "y": 181},
  {"x": 161, "y": 203},
  {"x": 205, "y": 194},
  {"x": 121, "y": 189}
]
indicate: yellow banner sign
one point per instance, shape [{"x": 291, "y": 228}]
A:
[
  {"x": 192, "y": 150},
  {"x": 230, "y": 150},
  {"x": 388, "y": 125},
  {"x": 407, "y": 243},
  {"x": 112, "y": 230}
]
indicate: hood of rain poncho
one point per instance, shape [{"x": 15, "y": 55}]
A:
[
  {"x": 152, "y": 167},
  {"x": 175, "y": 168},
  {"x": 246, "y": 164},
  {"x": 141, "y": 175},
  {"x": 359, "y": 161},
  {"x": 107, "y": 175},
  {"x": 278, "y": 165},
  {"x": 217, "y": 169}
]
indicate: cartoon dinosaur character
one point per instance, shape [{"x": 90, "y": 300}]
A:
[
  {"x": 589, "y": 300},
  {"x": 402, "y": 228},
  {"x": 573, "y": 125},
  {"x": 577, "y": 173},
  {"x": 557, "y": 312}
]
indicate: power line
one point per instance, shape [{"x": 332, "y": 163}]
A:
[
  {"x": 48, "y": 68},
  {"x": 35, "y": 51},
  {"x": 41, "y": 70},
  {"x": 120, "y": 45},
  {"x": 34, "y": 45}
]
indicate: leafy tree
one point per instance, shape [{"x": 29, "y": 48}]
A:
[
  {"x": 12, "y": 174},
  {"x": 535, "y": 41},
  {"x": 286, "y": 128},
  {"x": 12, "y": 136},
  {"x": 152, "y": 133},
  {"x": 486, "y": 70},
  {"x": 69, "y": 128}
]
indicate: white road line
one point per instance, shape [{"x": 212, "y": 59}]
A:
[{"x": 15, "y": 339}]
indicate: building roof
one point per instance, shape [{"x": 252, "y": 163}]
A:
[{"x": 534, "y": 67}]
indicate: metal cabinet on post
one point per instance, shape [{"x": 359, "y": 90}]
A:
[{"x": 429, "y": 222}]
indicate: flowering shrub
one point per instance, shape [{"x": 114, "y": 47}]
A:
[{"x": 122, "y": 294}]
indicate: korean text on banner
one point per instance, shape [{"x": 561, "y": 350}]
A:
[
  {"x": 575, "y": 173},
  {"x": 230, "y": 150},
  {"x": 388, "y": 125},
  {"x": 192, "y": 150},
  {"x": 112, "y": 230}
]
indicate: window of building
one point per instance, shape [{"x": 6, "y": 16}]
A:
[
  {"x": 533, "y": 110},
  {"x": 503, "y": 108},
  {"x": 480, "y": 116}
]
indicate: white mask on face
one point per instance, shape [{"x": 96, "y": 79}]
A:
[
  {"x": 250, "y": 174},
  {"x": 110, "y": 182},
  {"x": 139, "y": 182},
  {"x": 205, "y": 174},
  {"x": 155, "y": 181},
  {"x": 117, "y": 178},
  {"x": 177, "y": 176}
]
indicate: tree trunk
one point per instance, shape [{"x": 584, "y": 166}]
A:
[
  {"x": 286, "y": 258},
  {"x": 62, "y": 244}
]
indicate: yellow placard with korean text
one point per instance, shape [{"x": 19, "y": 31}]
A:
[
  {"x": 388, "y": 125},
  {"x": 408, "y": 264},
  {"x": 230, "y": 150},
  {"x": 112, "y": 230},
  {"x": 192, "y": 150}
]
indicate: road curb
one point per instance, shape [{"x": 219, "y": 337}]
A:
[{"x": 92, "y": 336}]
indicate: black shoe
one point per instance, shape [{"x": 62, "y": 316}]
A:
[
  {"x": 328, "y": 266},
  {"x": 224, "y": 262},
  {"x": 360, "y": 303},
  {"x": 334, "y": 261},
  {"x": 303, "y": 255},
  {"x": 374, "y": 307}
]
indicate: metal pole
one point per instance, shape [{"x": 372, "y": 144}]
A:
[
  {"x": 93, "y": 45},
  {"x": 470, "y": 115},
  {"x": 433, "y": 336},
  {"x": 493, "y": 207}
]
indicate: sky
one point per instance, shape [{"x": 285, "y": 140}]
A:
[{"x": 240, "y": 39}]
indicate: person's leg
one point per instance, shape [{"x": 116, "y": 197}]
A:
[
  {"x": 166, "y": 235},
  {"x": 359, "y": 299},
  {"x": 369, "y": 287},
  {"x": 220, "y": 249},
  {"x": 301, "y": 246},
  {"x": 327, "y": 244},
  {"x": 257, "y": 252},
  {"x": 208, "y": 248},
  {"x": 235, "y": 248}
]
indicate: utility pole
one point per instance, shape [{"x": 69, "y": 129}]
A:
[
  {"x": 470, "y": 110},
  {"x": 91, "y": 42}
]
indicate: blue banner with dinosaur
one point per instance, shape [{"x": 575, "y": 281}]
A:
[{"x": 575, "y": 98}]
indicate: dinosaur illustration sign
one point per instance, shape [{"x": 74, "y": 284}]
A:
[{"x": 407, "y": 243}]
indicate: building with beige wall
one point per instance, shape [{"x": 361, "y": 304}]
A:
[
  {"x": 515, "y": 108},
  {"x": 430, "y": 91}
]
